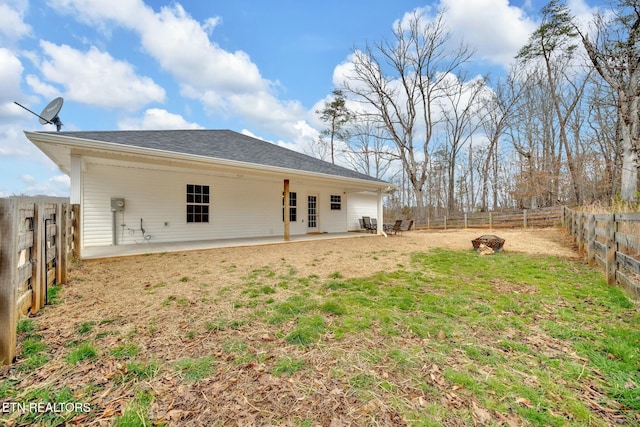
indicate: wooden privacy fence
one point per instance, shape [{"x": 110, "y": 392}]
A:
[
  {"x": 543, "y": 217},
  {"x": 38, "y": 235},
  {"x": 611, "y": 241}
]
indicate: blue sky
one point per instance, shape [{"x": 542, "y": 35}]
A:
[{"x": 258, "y": 67}]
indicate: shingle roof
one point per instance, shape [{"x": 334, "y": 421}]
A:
[{"x": 220, "y": 144}]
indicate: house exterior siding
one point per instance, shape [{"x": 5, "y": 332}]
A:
[
  {"x": 361, "y": 204},
  {"x": 240, "y": 206},
  {"x": 246, "y": 177}
]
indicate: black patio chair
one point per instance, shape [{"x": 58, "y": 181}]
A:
[
  {"x": 370, "y": 224},
  {"x": 397, "y": 227}
]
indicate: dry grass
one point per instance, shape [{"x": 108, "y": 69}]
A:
[{"x": 185, "y": 313}]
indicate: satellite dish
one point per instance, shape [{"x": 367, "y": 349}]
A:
[{"x": 49, "y": 113}]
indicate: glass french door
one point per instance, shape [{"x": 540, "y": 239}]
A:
[{"x": 312, "y": 212}]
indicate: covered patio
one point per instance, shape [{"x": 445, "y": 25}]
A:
[{"x": 97, "y": 252}]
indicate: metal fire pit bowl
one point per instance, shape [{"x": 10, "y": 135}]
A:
[{"x": 490, "y": 240}]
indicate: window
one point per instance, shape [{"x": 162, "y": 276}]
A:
[
  {"x": 293, "y": 206},
  {"x": 336, "y": 203},
  {"x": 197, "y": 203}
]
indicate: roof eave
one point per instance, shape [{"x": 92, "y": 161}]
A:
[{"x": 88, "y": 144}]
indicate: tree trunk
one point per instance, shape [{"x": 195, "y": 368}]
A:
[{"x": 629, "y": 173}]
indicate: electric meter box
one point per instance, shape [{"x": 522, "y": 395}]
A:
[{"x": 117, "y": 204}]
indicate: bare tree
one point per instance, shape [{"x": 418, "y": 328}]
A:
[
  {"x": 460, "y": 110},
  {"x": 368, "y": 149},
  {"x": 533, "y": 134},
  {"x": 602, "y": 136},
  {"x": 614, "y": 50},
  {"x": 499, "y": 109},
  {"x": 552, "y": 42},
  {"x": 319, "y": 148},
  {"x": 400, "y": 80}
]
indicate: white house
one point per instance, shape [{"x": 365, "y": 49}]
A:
[{"x": 190, "y": 185}]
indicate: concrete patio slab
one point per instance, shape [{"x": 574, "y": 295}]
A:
[{"x": 96, "y": 252}]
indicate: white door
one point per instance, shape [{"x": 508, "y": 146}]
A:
[{"x": 312, "y": 213}]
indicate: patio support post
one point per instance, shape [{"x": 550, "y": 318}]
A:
[
  {"x": 380, "y": 214},
  {"x": 287, "y": 221},
  {"x": 76, "y": 180},
  {"x": 8, "y": 277}
]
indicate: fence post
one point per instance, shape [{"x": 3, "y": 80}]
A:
[
  {"x": 36, "y": 253},
  {"x": 580, "y": 233},
  {"x": 61, "y": 247},
  {"x": 40, "y": 243},
  {"x": 465, "y": 220},
  {"x": 611, "y": 249},
  {"x": 8, "y": 272},
  {"x": 64, "y": 256},
  {"x": 524, "y": 218},
  {"x": 591, "y": 237},
  {"x": 76, "y": 231}
]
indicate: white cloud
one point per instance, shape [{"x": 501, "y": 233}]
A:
[
  {"x": 582, "y": 12},
  {"x": 178, "y": 42},
  {"x": 97, "y": 12},
  {"x": 96, "y": 78},
  {"x": 226, "y": 83},
  {"x": 494, "y": 28},
  {"x": 263, "y": 106},
  {"x": 303, "y": 134},
  {"x": 10, "y": 74},
  {"x": 211, "y": 23},
  {"x": 155, "y": 118},
  {"x": 57, "y": 185},
  {"x": 23, "y": 163},
  {"x": 27, "y": 179},
  {"x": 13, "y": 143},
  {"x": 247, "y": 132},
  {"x": 182, "y": 46},
  {"x": 42, "y": 88},
  {"x": 12, "y": 25}
]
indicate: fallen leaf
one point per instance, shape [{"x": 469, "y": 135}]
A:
[
  {"x": 511, "y": 421},
  {"x": 482, "y": 415},
  {"x": 524, "y": 402},
  {"x": 108, "y": 412}
]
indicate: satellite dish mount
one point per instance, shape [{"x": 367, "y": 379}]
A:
[{"x": 49, "y": 114}]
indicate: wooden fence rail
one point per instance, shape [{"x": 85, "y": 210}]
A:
[
  {"x": 543, "y": 217},
  {"x": 610, "y": 241},
  {"x": 37, "y": 235}
]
